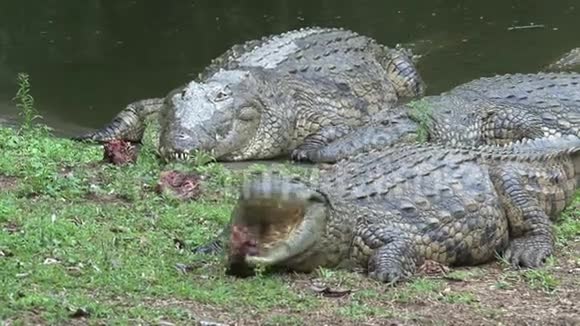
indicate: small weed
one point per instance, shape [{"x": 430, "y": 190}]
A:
[
  {"x": 420, "y": 112},
  {"x": 464, "y": 275},
  {"x": 280, "y": 320},
  {"x": 417, "y": 288},
  {"x": 326, "y": 273},
  {"x": 541, "y": 279},
  {"x": 360, "y": 311},
  {"x": 25, "y": 102},
  {"x": 458, "y": 297},
  {"x": 568, "y": 227}
]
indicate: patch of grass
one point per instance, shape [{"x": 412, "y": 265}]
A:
[
  {"x": 417, "y": 289},
  {"x": 359, "y": 310},
  {"x": 458, "y": 298},
  {"x": 25, "y": 102},
  {"x": 421, "y": 113},
  {"x": 74, "y": 251},
  {"x": 541, "y": 279},
  {"x": 96, "y": 237},
  {"x": 282, "y": 320},
  {"x": 568, "y": 227},
  {"x": 465, "y": 274}
]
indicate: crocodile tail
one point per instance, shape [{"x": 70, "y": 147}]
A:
[
  {"x": 544, "y": 148},
  {"x": 128, "y": 125},
  {"x": 403, "y": 73}
]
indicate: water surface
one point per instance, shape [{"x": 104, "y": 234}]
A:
[{"x": 88, "y": 59}]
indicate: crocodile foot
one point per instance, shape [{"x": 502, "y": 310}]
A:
[
  {"x": 304, "y": 155},
  {"x": 389, "y": 276},
  {"x": 392, "y": 262},
  {"x": 528, "y": 252},
  {"x": 211, "y": 248}
]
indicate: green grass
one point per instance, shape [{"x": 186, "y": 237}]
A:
[
  {"x": 107, "y": 252},
  {"x": 78, "y": 234},
  {"x": 420, "y": 112}
]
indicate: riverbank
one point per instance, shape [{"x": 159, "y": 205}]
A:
[{"x": 85, "y": 242}]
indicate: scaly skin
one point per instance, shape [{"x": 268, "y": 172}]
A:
[
  {"x": 484, "y": 111},
  {"x": 494, "y": 110},
  {"x": 570, "y": 61},
  {"x": 281, "y": 95},
  {"x": 129, "y": 124},
  {"x": 386, "y": 211}
]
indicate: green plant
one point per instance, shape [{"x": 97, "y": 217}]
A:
[
  {"x": 420, "y": 112},
  {"x": 25, "y": 102}
]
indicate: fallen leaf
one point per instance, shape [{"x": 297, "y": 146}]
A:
[
  {"x": 74, "y": 271},
  {"x": 326, "y": 291},
  {"x": 11, "y": 227},
  {"x": 432, "y": 268},
  {"x": 50, "y": 261},
  {"x": 6, "y": 253},
  {"x": 211, "y": 323},
  {"x": 118, "y": 229},
  {"x": 165, "y": 323},
  {"x": 80, "y": 313},
  {"x": 179, "y": 244}
]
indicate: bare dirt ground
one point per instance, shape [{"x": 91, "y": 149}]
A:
[
  {"x": 491, "y": 294},
  {"x": 7, "y": 183}
]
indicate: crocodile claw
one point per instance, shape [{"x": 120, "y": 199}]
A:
[
  {"x": 305, "y": 155},
  {"x": 389, "y": 277},
  {"x": 211, "y": 248},
  {"x": 528, "y": 252}
]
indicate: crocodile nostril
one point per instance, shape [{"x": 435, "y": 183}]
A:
[{"x": 182, "y": 136}]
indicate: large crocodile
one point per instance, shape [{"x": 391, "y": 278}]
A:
[
  {"x": 275, "y": 96},
  {"x": 487, "y": 111},
  {"x": 490, "y": 110},
  {"x": 386, "y": 211}
]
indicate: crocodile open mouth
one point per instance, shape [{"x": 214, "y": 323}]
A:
[{"x": 269, "y": 233}]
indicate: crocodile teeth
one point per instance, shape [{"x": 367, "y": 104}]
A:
[{"x": 179, "y": 156}]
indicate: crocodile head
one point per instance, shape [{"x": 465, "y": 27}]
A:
[
  {"x": 221, "y": 116},
  {"x": 277, "y": 222}
]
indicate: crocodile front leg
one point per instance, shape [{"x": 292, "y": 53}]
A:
[
  {"x": 531, "y": 233},
  {"x": 310, "y": 147},
  {"x": 128, "y": 125},
  {"x": 216, "y": 245},
  {"x": 507, "y": 125},
  {"x": 394, "y": 256},
  {"x": 363, "y": 139}
]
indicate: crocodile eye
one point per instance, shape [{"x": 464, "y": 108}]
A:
[
  {"x": 248, "y": 114},
  {"x": 222, "y": 94}
]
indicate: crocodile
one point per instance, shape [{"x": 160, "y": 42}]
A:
[
  {"x": 386, "y": 211},
  {"x": 486, "y": 111},
  {"x": 490, "y": 110},
  {"x": 570, "y": 61},
  {"x": 275, "y": 96}
]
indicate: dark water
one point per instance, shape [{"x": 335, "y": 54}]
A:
[{"x": 88, "y": 59}]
